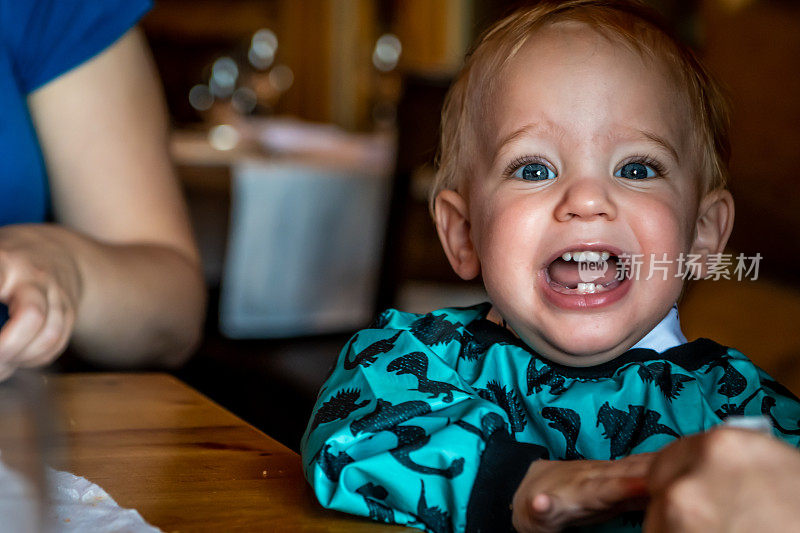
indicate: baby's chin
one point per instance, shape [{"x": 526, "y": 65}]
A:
[{"x": 585, "y": 348}]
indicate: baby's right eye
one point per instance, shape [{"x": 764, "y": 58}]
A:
[{"x": 534, "y": 172}]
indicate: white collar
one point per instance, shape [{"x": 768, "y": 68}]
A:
[{"x": 667, "y": 333}]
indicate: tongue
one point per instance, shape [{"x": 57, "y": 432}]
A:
[{"x": 569, "y": 274}]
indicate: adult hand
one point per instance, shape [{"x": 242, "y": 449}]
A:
[
  {"x": 724, "y": 480},
  {"x": 557, "y": 494},
  {"x": 41, "y": 285}
]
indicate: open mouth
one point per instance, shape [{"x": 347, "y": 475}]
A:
[{"x": 581, "y": 272}]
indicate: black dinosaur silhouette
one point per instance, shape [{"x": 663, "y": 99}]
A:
[
  {"x": 546, "y": 376},
  {"x": 416, "y": 364},
  {"x": 435, "y": 329},
  {"x": 509, "y": 401},
  {"x": 628, "y": 430},
  {"x": 777, "y": 387},
  {"x": 732, "y": 383},
  {"x": 412, "y": 438},
  {"x": 329, "y": 373},
  {"x": 490, "y": 422},
  {"x": 730, "y": 409},
  {"x": 767, "y": 403},
  {"x": 434, "y": 518},
  {"x": 369, "y": 355},
  {"x": 568, "y": 423},
  {"x": 472, "y": 348},
  {"x": 661, "y": 373},
  {"x": 338, "y": 407},
  {"x": 331, "y": 464},
  {"x": 374, "y": 495},
  {"x": 387, "y": 415}
]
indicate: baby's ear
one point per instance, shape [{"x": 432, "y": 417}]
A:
[
  {"x": 714, "y": 223},
  {"x": 452, "y": 225}
]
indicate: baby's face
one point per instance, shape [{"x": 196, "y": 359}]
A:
[{"x": 590, "y": 151}]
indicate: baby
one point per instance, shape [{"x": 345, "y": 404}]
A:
[{"x": 579, "y": 134}]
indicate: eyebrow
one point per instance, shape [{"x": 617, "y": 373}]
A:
[
  {"x": 663, "y": 143},
  {"x": 527, "y": 129},
  {"x": 550, "y": 127}
]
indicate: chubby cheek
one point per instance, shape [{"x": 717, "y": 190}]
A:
[
  {"x": 662, "y": 227},
  {"x": 507, "y": 234}
]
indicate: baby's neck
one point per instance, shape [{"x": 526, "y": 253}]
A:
[{"x": 665, "y": 335}]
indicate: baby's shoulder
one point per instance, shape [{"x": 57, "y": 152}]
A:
[
  {"x": 432, "y": 323},
  {"x": 442, "y": 332}
]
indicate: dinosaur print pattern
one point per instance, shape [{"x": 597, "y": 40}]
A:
[
  {"x": 661, "y": 374},
  {"x": 387, "y": 415},
  {"x": 626, "y": 430},
  {"x": 370, "y": 354},
  {"x": 374, "y": 498},
  {"x": 508, "y": 400},
  {"x": 545, "y": 376},
  {"x": 433, "y": 518},
  {"x": 415, "y": 404},
  {"x": 732, "y": 383},
  {"x": 490, "y": 422},
  {"x": 766, "y": 408},
  {"x": 472, "y": 348},
  {"x": 416, "y": 364},
  {"x": 568, "y": 423},
  {"x": 332, "y": 464},
  {"x": 435, "y": 329},
  {"x": 338, "y": 407},
  {"x": 412, "y": 438},
  {"x": 380, "y": 321},
  {"x": 730, "y": 409}
]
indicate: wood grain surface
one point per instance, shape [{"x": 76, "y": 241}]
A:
[{"x": 185, "y": 463}]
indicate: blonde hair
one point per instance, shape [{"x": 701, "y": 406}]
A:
[{"x": 630, "y": 22}]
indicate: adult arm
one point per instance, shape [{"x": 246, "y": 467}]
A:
[{"x": 122, "y": 265}]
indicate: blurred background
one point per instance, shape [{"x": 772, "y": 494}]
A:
[{"x": 304, "y": 137}]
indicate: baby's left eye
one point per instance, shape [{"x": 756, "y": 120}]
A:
[{"x": 636, "y": 171}]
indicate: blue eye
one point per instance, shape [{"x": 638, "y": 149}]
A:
[
  {"x": 636, "y": 171},
  {"x": 534, "y": 172}
]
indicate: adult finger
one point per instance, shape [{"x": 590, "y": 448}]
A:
[
  {"x": 590, "y": 500},
  {"x": 27, "y": 314},
  {"x": 47, "y": 343},
  {"x": 6, "y": 371},
  {"x": 631, "y": 466},
  {"x": 683, "y": 507},
  {"x": 672, "y": 462}
]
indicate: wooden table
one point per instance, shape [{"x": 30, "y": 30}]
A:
[{"x": 185, "y": 463}]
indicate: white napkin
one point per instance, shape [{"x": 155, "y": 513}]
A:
[{"x": 76, "y": 505}]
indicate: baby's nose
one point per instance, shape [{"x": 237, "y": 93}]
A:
[{"x": 586, "y": 199}]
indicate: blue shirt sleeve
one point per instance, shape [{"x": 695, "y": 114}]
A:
[{"x": 47, "y": 38}]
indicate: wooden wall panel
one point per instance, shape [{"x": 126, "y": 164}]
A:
[{"x": 755, "y": 50}]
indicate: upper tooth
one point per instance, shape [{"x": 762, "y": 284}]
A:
[{"x": 588, "y": 255}]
